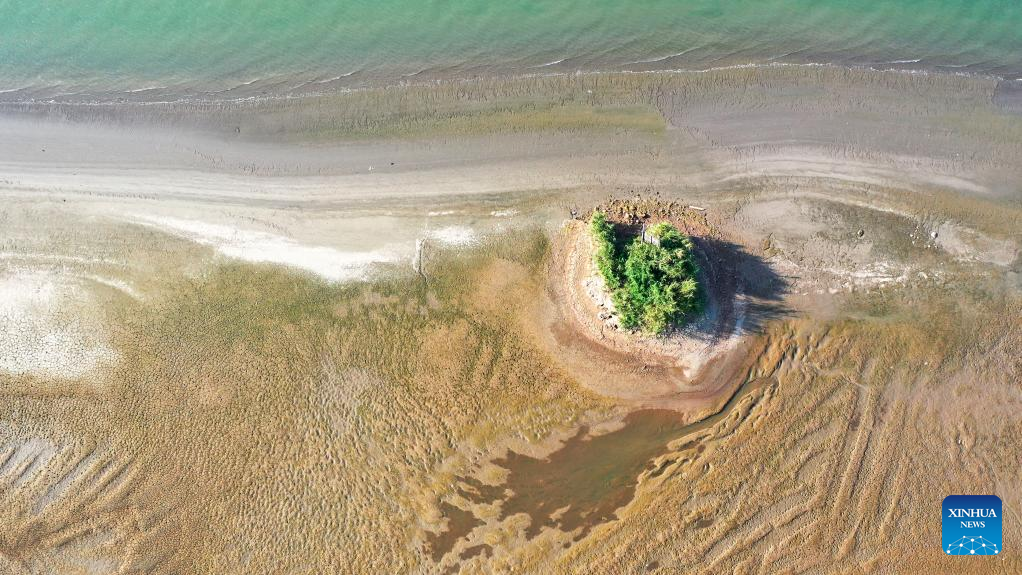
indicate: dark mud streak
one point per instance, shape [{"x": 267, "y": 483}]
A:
[
  {"x": 459, "y": 524},
  {"x": 703, "y": 523},
  {"x": 475, "y": 490},
  {"x": 482, "y": 549}
]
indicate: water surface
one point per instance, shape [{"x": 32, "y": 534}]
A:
[{"x": 52, "y": 48}]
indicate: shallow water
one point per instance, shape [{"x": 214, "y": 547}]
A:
[
  {"x": 587, "y": 480},
  {"x": 591, "y": 476},
  {"x": 189, "y": 47}
]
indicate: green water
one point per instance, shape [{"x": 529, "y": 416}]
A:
[{"x": 52, "y": 47}]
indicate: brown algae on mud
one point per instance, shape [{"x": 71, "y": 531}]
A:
[{"x": 250, "y": 396}]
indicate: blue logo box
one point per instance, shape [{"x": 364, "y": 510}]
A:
[{"x": 971, "y": 525}]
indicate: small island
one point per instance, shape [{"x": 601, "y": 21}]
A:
[{"x": 651, "y": 276}]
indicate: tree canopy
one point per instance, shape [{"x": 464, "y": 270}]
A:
[{"x": 653, "y": 285}]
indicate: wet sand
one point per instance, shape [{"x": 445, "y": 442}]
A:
[{"x": 270, "y": 377}]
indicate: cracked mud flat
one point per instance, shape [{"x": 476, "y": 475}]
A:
[{"x": 251, "y": 378}]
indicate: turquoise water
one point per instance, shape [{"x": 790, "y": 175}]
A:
[{"x": 53, "y": 47}]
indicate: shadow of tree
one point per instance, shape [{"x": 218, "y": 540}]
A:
[{"x": 741, "y": 291}]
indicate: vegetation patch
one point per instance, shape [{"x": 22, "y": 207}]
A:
[{"x": 651, "y": 276}]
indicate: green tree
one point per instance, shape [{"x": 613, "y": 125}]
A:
[
  {"x": 653, "y": 285},
  {"x": 607, "y": 261}
]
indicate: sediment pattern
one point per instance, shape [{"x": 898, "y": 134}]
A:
[{"x": 231, "y": 412}]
